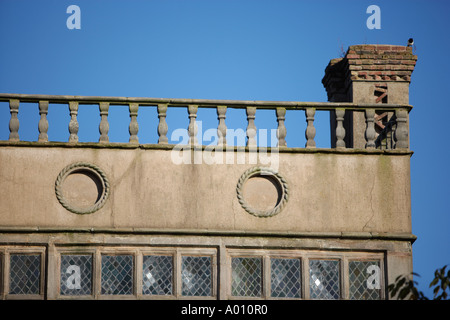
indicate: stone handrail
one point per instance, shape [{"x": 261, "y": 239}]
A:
[{"x": 400, "y": 111}]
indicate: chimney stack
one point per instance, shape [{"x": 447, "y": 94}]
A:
[{"x": 368, "y": 74}]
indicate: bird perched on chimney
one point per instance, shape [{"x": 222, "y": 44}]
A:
[{"x": 410, "y": 42}]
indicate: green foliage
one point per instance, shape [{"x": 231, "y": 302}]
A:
[
  {"x": 444, "y": 279},
  {"x": 406, "y": 288}
]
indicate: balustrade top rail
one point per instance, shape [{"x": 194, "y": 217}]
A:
[
  {"x": 398, "y": 123},
  {"x": 142, "y": 101}
]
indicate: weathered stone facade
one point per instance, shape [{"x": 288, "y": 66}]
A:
[{"x": 128, "y": 220}]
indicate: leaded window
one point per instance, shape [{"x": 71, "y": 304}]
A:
[
  {"x": 285, "y": 278},
  {"x": 324, "y": 279},
  {"x": 76, "y": 274},
  {"x": 246, "y": 277},
  {"x": 157, "y": 275},
  {"x": 196, "y": 276},
  {"x": 25, "y": 274},
  {"x": 364, "y": 280},
  {"x": 117, "y": 274},
  {"x": 149, "y": 273}
]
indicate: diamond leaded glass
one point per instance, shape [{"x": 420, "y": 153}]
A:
[
  {"x": 285, "y": 278},
  {"x": 117, "y": 274},
  {"x": 196, "y": 276},
  {"x": 246, "y": 277},
  {"x": 76, "y": 274},
  {"x": 157, "y": 275},
  {"x": 364, "y": 278},
  {"x": 25, "y": 273},
  {"x": 324, "y": 279}
]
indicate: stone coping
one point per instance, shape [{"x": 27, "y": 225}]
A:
[
  {"x": 206, "y": 103},
  {"x": 210, "y": 232},
  {"x": 149, "y": 146}
]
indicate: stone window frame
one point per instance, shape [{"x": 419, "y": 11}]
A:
[
  {"x": 5, "y": 263},
  {"x": 344, "y": 257},
  {"x": 50, "y": 278},
  {"x": 137, "y": 254}
]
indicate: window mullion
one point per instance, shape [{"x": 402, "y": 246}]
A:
[
  {"x": 305, "y": 277},
  {"x": 177, "y": 273},
  {"x": 97, "y": 285},
  {"x": 266, "y": 279},
  {"x": 138, "y": 273},
  {"x": 222, "y": 273},
  {"x": 345, "y": 278}
]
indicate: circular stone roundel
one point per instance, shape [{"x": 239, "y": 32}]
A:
[
  {"x": 262, "y": 192},
  {"x": 82, "y": 188}
]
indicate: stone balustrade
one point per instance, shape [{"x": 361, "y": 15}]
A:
[{"x": 397, "y": 127}]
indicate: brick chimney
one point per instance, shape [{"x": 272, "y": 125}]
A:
[{"x": 368, "y": 74}]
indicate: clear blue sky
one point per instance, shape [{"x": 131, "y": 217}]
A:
[{"x": 246, "y": 50}]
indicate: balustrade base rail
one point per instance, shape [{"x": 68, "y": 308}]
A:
[{"x": 169, "y": 147}]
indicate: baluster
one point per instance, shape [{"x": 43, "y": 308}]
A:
[
  {"x": 133, "y": 128},
  {"x": 310, "y": 131},
  {"x": 73, "y": 124},
  {"x": 162, "y": 126},
  {"x": 251, "y": 128},
  {"x": 281, "y": 131},
  {"x": 193, "y": 127},
  {"x": 103, "y": 127},
  {"x": 340, "y": 130},
  {"x": 14, "y": 121},
  {"x": 401, "y": 132},
  {"x": 43, "y": 122},
  {"x": 221, "y": 128},
  {"x": 370, "y": 128}
]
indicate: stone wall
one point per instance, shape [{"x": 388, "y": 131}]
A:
[{"x": 326, "y": 191}]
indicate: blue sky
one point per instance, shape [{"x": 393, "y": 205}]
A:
[{"x": 242, "y": 50}]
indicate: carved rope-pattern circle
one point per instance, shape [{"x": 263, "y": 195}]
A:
[
  {"x": 262, "y": 171},
  {"x": 80, "y": 166}
]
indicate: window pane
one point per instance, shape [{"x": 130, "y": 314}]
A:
[
  {"x": 285, "y": 278},
  {"x": 196, "y": 276},
  {"x": 324, "y": 279},
  {"x": 25, "y": 273},
  {"x": 364, "y": 278},
  {"x": 157, "y": 275},
  {"x": 76, "y": 274},
  {"x": 117, "y": 274},
  {"x": 246, "y": 277}
]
